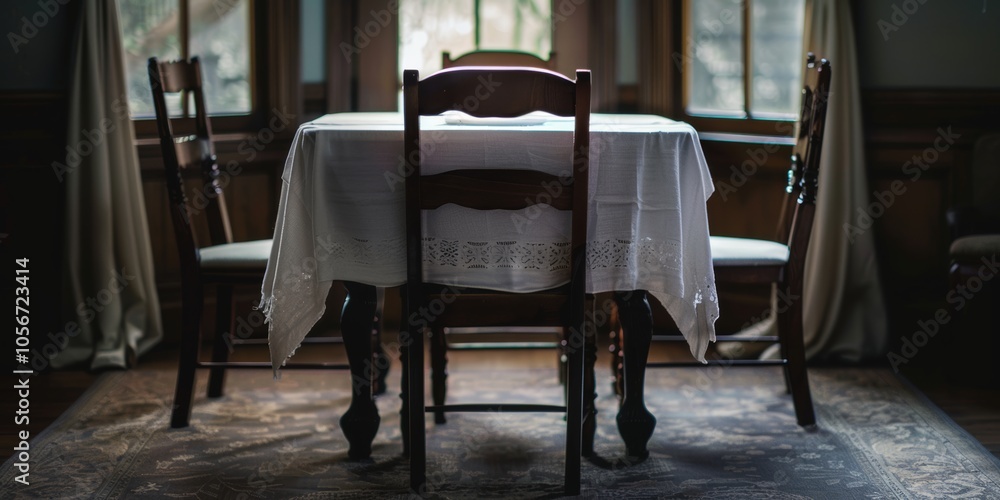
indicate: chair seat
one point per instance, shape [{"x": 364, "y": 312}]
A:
[
  {"x": 729, "y": 251},
  {"x": 241, "y": 256},
  {"x": 975, "y": 246}
]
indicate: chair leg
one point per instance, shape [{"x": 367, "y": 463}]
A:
[
  {"x": 439, "y": 371},
  {"x": 783, "y": 352},
  {"x": 188, "y": 362},
  {"x": 589, "y": 424},
  {"x": 404, "y": 410},
  {"x": 575, "y": 350},
  {"x": 790, "y": 333},
  {"x": 415, "y": 400},
  {"x": 224, "y": 321}
]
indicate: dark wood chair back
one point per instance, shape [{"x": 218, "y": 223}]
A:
[
  {"x": 518, "y": 91},
  {"x": 803, "y": 187},
  {"x": 809, "y": 130},
  {"x": 188, "y": 152}
]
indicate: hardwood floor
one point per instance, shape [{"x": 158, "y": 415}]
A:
[{"x": 975, "y": 409}]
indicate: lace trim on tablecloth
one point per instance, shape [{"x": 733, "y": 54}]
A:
[
  {"x": 551, "y": 256},
  {"x": 359, "y": 251},
  {"x": 547, "y": 257}
]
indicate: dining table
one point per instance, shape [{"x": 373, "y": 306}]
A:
[{"x": 341, "y": 219}]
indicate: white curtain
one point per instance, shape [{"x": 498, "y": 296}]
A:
[
  {"x": 843, "y": 308},
  {"x": 109, "y": 292}
]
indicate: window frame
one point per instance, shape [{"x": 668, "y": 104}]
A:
[
  {"x": 744, "y": 123},
  {"x": 259, "y": 80}
]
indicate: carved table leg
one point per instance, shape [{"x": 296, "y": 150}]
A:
[
  {"x": 360, "y": 422},
  {"x": 635, "y": 423}
]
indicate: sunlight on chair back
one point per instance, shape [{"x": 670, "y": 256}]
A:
[{"x": 499, "y": 58}]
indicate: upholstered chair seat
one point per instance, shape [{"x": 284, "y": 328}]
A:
[{"x": 729, "y": 251}]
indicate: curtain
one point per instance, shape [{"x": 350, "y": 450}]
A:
[
  {"x": 109, "y": 296},
  {"x": 843, "y": 307}
]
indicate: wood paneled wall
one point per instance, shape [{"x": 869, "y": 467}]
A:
[
  {"x": 32, "y": 136},
  {"x": 939, "y": 128}
]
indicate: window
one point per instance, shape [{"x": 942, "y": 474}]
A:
[
  {"x": 217, "y": 31},
  {"x": 430, "y": 27},
  {"x": 743, "y": 61}
]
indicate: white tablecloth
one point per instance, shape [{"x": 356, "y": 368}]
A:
[{"x": 342, "y": 204}]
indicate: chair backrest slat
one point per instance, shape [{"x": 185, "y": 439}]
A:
[
  {"x": 499, "y": 58},
  {"x": 177, "y": 76},
  {"x": 476, "y": 91},
  {"x": 492, "y": 190}
]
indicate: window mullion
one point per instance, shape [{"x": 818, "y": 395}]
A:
[
  {"x": 478, "y": 16},
  {"x": 185, "y": 33},
  {"x": 747, "y": 56}
]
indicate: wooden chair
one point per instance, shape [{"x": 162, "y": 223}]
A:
[
  {"x": 489, "y": 338},
  {"x": 521, "y": 90},
  {"x": 975, "y": 231},
  {"x": 222, "y": 263},
  {"x": 781, "y": 263},
  {"x": 499, "y": 58}
]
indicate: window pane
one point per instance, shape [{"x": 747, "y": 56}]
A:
[
  {"x": 149, "y": 28},
  {"x": 220, "y": 37},
  {"x": 429, "y": 27},
  {"x": 715, "y": 53},
  {"x": 777, "y": 55},
  {"x": 516, "y": 25},
  {"x": 312, "y": 22}
]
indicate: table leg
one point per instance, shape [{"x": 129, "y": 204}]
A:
[
  {"x": 635, "y": 423},
  {"x": 361, "y": 421}
]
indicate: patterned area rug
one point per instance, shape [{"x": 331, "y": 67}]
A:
[{"x": 720, "y": 434}]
